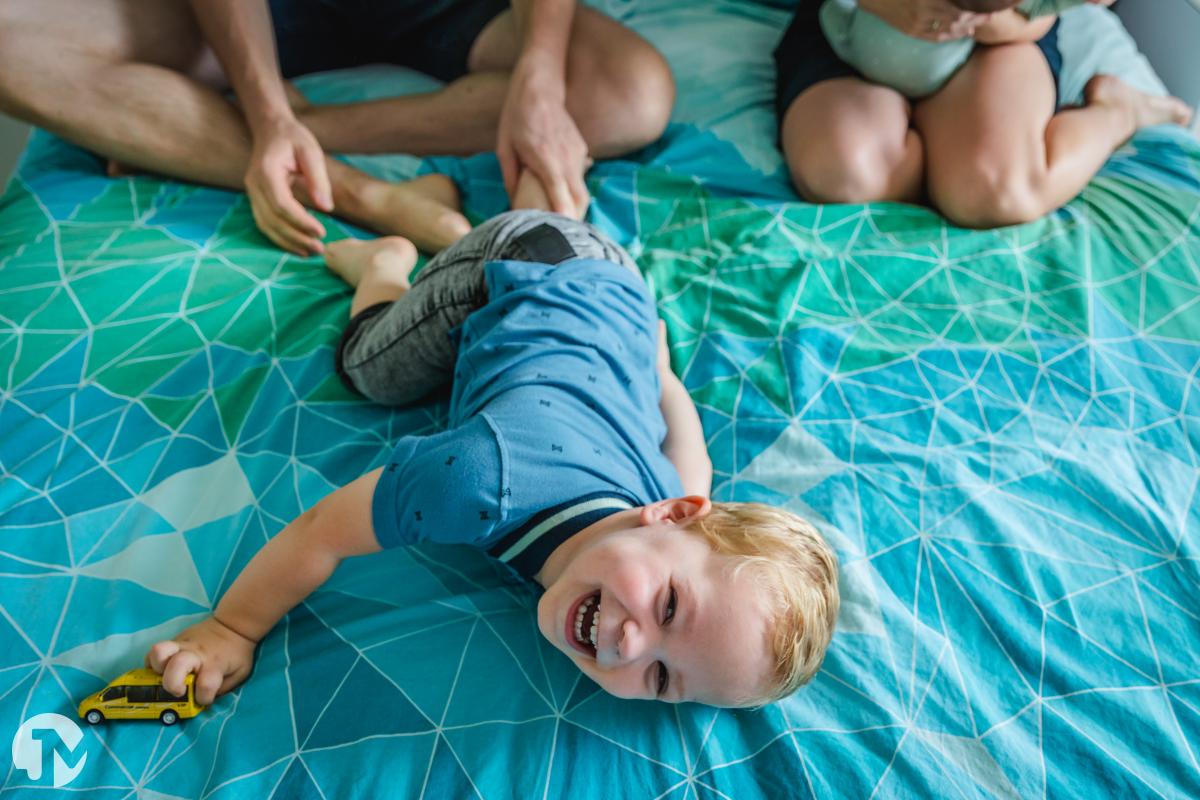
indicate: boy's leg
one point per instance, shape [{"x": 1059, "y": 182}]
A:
[
  {"x": 378, "y": 269},
  {"x": 397, "y": 346},
  {"x": 998, "y": 153},
  {"x": 849, "y": 141}
]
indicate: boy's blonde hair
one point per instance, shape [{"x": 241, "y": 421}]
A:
[{"x": 799, "y": 571}]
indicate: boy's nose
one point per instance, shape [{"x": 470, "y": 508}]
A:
[{"x": 633, "y": 642}]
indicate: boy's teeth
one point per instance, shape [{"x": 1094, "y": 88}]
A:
[{"x": 592, "y": 604}]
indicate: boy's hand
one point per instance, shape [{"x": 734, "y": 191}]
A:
[{"x": 220, "y": 657}]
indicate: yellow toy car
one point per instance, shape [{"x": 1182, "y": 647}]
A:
[{"x": 139, "y": 694}]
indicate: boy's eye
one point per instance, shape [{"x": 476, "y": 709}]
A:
[
  {"x": 670, "y": 615},
  {"x": 664, "y": 679}
]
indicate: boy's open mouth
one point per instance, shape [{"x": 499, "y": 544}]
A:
[{"x": 583, "y": 623}]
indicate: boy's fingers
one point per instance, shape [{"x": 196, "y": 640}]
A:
[
  {"x": 233, "y": 679},
  {"x": 178, "y": 668},
  {"x": 160, "y": 654},
  {"x": 208, "y": 683}
]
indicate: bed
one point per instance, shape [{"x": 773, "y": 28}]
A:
[{"x": 999, "y": 431}]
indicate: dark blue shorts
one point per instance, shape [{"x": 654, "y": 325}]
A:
[
  {"x": 430, "y": 36},
  {"x": 804, "y": 57}
]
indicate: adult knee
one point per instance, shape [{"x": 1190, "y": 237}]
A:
[
  {"x": 839, "y": 171},
  {"x": 628, "y": 94},
  {"x": 988, "y": 195}
]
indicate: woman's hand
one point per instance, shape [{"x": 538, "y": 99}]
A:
[
  {"x": 934, "y": 20},
  {"x": 220, "y": 657}
]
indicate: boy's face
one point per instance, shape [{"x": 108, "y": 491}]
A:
[{"x": 671, "y": 621}]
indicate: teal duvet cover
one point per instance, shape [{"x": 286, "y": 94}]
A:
[{"x": 998, "y": 431}]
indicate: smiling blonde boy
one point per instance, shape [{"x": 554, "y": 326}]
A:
[{"x": 573, "y": 454}]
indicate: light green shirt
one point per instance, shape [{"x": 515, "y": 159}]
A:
[{"x": 914, "y": 67}]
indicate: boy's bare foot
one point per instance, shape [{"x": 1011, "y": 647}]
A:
[
  {"x": 424, "y": 210},
  {"x": 1143, "y": 109},
  {"x": 391, "y": 258}
]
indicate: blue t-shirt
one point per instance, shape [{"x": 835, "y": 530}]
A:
[{"x": 554, "y": 418}]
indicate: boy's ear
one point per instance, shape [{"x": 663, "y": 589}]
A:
[{"x": 678, "y": 510}]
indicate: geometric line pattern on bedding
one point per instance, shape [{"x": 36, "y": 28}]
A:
[
  {"x": 1006, "y": 463},
  {"x": 998, "y": 432}
]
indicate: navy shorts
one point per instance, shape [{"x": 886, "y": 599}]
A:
[
  {"x": 804, "y": 57},
  {"x": 430, "y": 36}
]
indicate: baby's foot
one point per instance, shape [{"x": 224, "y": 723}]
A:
[
  {"x": 388, "y": 257},
  {"x": 424, "y": 210},
  {"x": 1143, "y": 109}
]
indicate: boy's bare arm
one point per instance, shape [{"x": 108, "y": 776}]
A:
[
  {"x": 220, "y": 649},
  {"x": 684, "y": 445},
  {"x": 1008, "y": 26}
]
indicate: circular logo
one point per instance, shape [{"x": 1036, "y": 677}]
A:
[{"x": 27, "y": 750}]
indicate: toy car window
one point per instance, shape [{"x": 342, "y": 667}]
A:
[
  {"x": 163, "y": 696},
  {"x": 113, "y": 693},
  {"x": 140, "y": 694}
]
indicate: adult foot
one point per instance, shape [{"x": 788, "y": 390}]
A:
[
  {"x": 117, "y": 169},
  {"x": 424, "y": 210},
  {"x": 388, "y": 258},
  {"x": 1142, "y": 109}
]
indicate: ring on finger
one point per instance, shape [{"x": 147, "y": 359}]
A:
[{"x": 935, "y": 26}]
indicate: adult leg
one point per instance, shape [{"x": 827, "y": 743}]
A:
[
  {"x": 997, "y": 152},
  {"x": 849, "y": 141},
  {"x": 114, "y": 76},
  {"x": 619, "y": 92}
]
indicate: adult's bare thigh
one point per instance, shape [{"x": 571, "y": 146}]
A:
[
  {"x": 985, "y": 131},
  {"x": 161, "y": 32}
]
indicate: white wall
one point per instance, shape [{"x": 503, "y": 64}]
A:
[
  {"x": 1168, "y": 33},
  {"x": 12, "y": 140}
]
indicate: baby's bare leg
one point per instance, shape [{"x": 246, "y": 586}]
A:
[{"x": 377, "y": 268}]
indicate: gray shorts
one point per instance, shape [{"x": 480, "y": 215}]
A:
[{"x": 400, "y": 352}]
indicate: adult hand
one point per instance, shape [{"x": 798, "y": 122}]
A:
[
  {"x": 934, "y": 20},
  {"x": 536, "y": 133},
  {"x": 285, "y": 152},
  {"x": 220, "y": 657}
]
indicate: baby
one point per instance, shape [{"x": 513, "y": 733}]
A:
[
  {"x": 915, "y": 67},
  {"x": 573, "y": 454}
]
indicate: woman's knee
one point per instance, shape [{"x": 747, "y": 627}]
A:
[
  {"x": 844, "y": 169},
  {"x": 984, "y": 194},
  {"x": 849, "y": 143}
]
